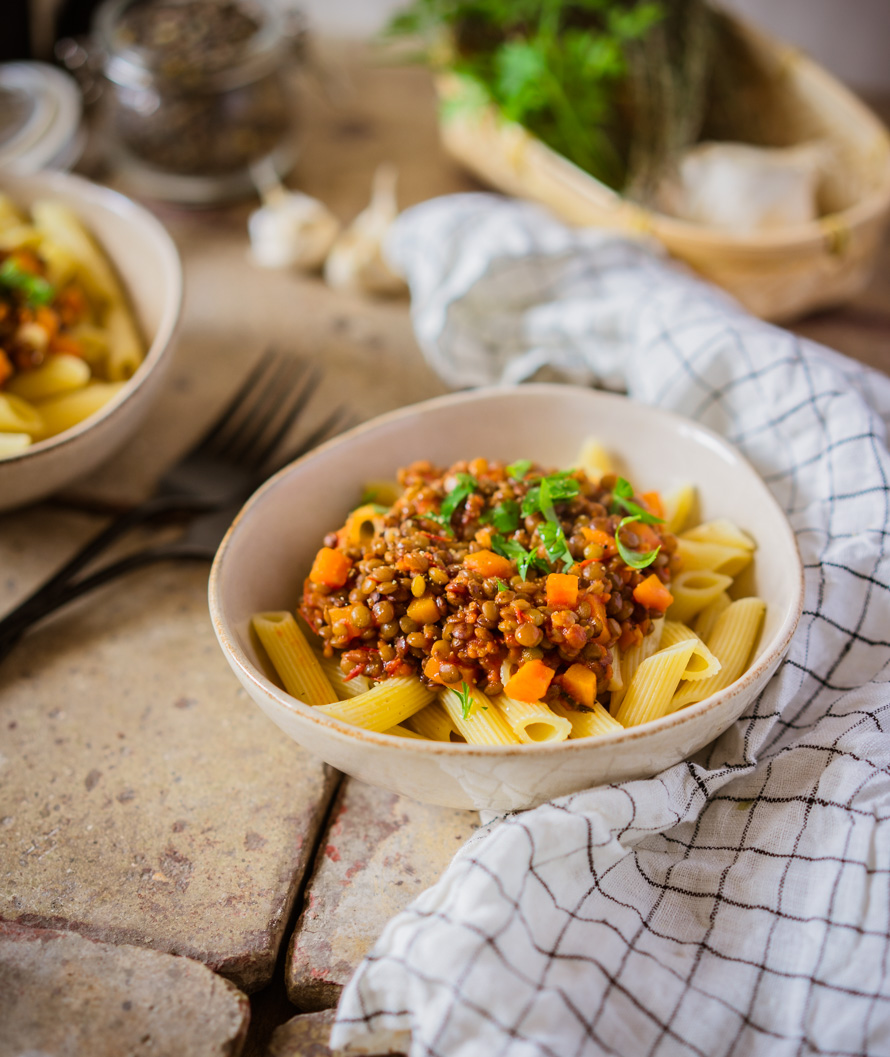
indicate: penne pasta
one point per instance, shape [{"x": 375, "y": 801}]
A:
[
  {"x": 293, "y": 658},
  {"x": 702, "y": 664},
  {"x": 343, "y": 687},
  {"x": 679, "y": 506},
  {"x": 13, "y": 443},
  {"x": 720, "y": 531},
  {"x": 20, "y": 416},
  {"x": 533, "y": 721},
  {"x": 404, "y": 732},
  {"x": 484, "y": 723},
  {"x": 694, "y": 590},
  {"x": 732, "y": 640},
  {"x": 57, "y": 374},
  {"x": 588, "y": 724},
  {"x": 61, "y": 412},
  {"x": 434, "y": 723},
  {"x": 654, "y": 683},
  {"x": 632, "y": 659},
  {"x": 707, "y": 618},
  {"x": 385, "y": 705},
  {"x": 713, "y": 557},
  {"x": 124, "y": 344},
  {"x": 593, "y": 459}
]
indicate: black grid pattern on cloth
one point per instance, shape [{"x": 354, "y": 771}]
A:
[{"x": 738, "y": 904}]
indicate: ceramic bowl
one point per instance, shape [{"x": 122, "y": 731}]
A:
[
  {"x": 147, "y": 262},
  {"x": 268, "y": 551}
]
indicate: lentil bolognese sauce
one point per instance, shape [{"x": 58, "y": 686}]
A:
[{"x": 480, "y": 569}]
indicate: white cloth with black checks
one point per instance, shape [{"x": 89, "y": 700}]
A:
[{"x": 737, "y": 904}]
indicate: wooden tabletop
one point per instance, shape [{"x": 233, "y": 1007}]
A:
[{"x": 145, "y": 802}]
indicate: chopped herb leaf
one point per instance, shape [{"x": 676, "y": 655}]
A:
[
  {"x": 622, "y": 495},
  {"x": 502, "y": 586},
  {"x": 555, "y": 543},
  {"x": 505, "y": 516},
  {"x": 36, "y": 289},
  {"x": 465, "y": 486},
  {"x": 517, "y": 553},
  {"x": 517, "y": 470},
  {"x": 555, "y": 488},
  {"x": 466, "y": 700},
  {"x": 634, "y": 559}
]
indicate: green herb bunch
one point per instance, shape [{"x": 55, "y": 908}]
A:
[{"x": 567, "y": 71}]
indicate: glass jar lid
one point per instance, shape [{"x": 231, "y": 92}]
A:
[{"x": 40, "y": 113}]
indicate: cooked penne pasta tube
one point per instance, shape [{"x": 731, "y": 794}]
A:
[
  {"x": 593, "y": 459},
  {"x": 10, "y": 215},
  {"x": 385, "y": 705},
  {"x": 732, "y": 640},
  {"x": 484, "y": 724},
  {"x": 124, "y": 343},
  {"x": 702, "y": 663},
  {"x": 694, "y": 590},
  {"x": 714, "y": 557},
  {"x": 678, "y": 507},
  {"x": 434, "y": 723},
  {"x": 343, "y": 687},
  {"x": 532, "y": 721},
  {"x": 293, "y": 658},
  {"x": 707, "y": 618},
  {"x": 403, "y": 732},
  {"x": 61, "y": 227},
  {"x": 57, "y": 374},
  {"x": 19, "y": 416},
  {"x": 721, "y": 531},
  {"x": 13, "y": 443},
  {"x": 631, "y": 660},
  {"x": 588, "y": 724},
  {"x": 650, "y": 692},
  {"x": 66, "y": 410}
]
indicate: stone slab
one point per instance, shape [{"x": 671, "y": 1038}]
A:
[
  {"x": 307, "y": 1035},
  {"x": 380, "y": 852},
  {"x": 64, "y": 995},
  {"x": 144, "y": 799}
]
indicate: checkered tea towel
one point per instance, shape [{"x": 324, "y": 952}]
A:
[{"x": 737, "y": 904}]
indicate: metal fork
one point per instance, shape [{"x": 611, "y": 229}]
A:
[{"x": 208, "y": 485}]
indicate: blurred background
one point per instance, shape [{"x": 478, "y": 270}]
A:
[{"x": 849, "y": 37}]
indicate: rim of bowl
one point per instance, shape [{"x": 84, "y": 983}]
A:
[
  {"x": 128, "y": 210},
  {"x": 227, "y": 639}
]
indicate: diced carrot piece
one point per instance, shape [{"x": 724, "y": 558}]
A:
[
  {"x": 487, "y": 563},
  {"x": 630, "y": 636},
  {"x": 580, "y": 682},
  {"x": 653, "y": 503},
  {"x": 562, "y": 589},
  {"x": 64, "y": 343},
  {"x": 342, "y": 615},
  {"x": 6, "y": 368},
  {"x": 652, "y": 594},
  {"x": 648, "y": 537},
  {"x": 330, "y": 568},
  {"x": 602, "y": 539},
  {"x": 431, "y": 670},
  {"x": 530, "y": 682}
]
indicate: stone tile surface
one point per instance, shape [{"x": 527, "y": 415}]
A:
[
  {"x": 380, "y": 852},
  {"x": 305, "y": 1036},
  {"x": 63, "y": 995},
  {"x": 144, "y": 799}
]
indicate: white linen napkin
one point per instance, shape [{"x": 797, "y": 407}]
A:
[{"x": 737, "y": 904}]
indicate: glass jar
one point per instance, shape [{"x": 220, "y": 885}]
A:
[{"x": 198, "y": 93}]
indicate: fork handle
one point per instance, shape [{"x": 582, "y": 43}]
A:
[
  {"x": 50, "y": 588},
  {"x": 17, "y": 623}
]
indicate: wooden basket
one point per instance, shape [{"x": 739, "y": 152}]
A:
[{"x": 778, "y": 275}]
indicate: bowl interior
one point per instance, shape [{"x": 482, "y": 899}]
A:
[{"x": 267, "y": 554}]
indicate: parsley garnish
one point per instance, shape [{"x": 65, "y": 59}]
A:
[
  {"x": 466, "y": 485},
  {"x": 505, "y": 516},
  {"x": 502, "y": 586},
  {"x": 36, "y": 289},
  {"x": 555, "y": 488},
  {"x": 517, "y": 553},
  {"x": 555, "y": 543},
  {"x": 622, "y": 495},
  {"x": 634, "y": 559},
  {"x": 466, "y": 700},
  {"x": 517, "y": 470}
]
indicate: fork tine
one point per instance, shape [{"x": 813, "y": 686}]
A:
[
  {"x": 259, "y": 455},
  {"x": 254, "y": 420},
  {"x": 224, "y": 419},
  {"x": 339, "y": 419}
]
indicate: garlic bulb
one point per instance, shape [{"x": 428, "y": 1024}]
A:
[
  {"x": 290, "y": 230},
  {"x": 741, "y": 188},
  {"x": 356, "y": 261}
]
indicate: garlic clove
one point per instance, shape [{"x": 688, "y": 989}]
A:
[
  {"x": 291, "y": 230},
  {"x": 356, "y": 261}
]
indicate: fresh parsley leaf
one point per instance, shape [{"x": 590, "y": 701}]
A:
[
  {"x": 634, "y": 559},
  {"x": 36, "y": 289},
  {"x": 466, "y": 700},
  {"x": 502, "y": 586},
  {"x": 505, "y": 516},
  {"x": 517, "y": 553},
  {"x": 531, "y": 501},
  {"x": 555, "y": 543},
  {"x": 466, "y": 485},
  {"x": 622, "y": 495},
  {"x": 555, "y": 488},
  {"x": 517, "y": 470}
]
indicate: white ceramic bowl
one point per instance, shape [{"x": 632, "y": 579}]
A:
[
  {"x": 267, "y": 553},
  {"x": 148, "y": 264}
]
